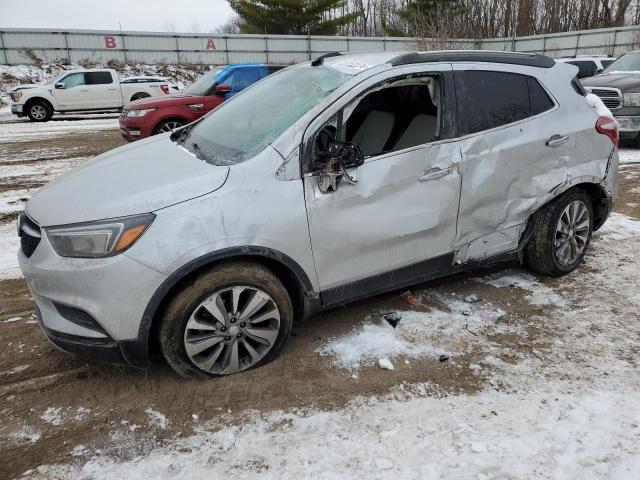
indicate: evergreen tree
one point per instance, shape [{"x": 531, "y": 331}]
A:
[{"x": 292, "y": 17}]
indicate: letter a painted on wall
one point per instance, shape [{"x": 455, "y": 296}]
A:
[
  {"x": 210, "y": 44},
  {"x": 110, "y": 42}
]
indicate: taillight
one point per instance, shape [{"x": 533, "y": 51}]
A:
[
  {"x": 165, "y": 88},
  {"x": 608, "y": 126}
]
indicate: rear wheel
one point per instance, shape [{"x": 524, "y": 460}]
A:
[
  {"x": 232, "y": 318},
  {"x": 561, "y": 235},
  {"x": 169, "y": 125},
  {"x": 39, "y": 111}
]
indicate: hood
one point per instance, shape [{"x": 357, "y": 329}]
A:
[
  {"x": 625, "y": 81},
  {"x": 137, "y": 178},
  {"x": 25, "y": 87},
  {"x": 164, "y": 101}
]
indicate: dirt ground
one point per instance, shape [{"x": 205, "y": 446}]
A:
[{"x": 69, "y": 402}]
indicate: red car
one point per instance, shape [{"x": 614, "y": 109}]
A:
[{"x": 149, "y": 116}]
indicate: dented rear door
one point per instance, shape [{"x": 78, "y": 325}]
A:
[{"x": 513, "y": 155}]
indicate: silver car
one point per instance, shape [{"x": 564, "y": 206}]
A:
[{"x": 326, "y": 182}]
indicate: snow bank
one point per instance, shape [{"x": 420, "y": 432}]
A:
[{"x": 553, "y": 433}]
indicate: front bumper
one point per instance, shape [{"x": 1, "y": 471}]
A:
[
  {"x": 629, "y": 123},
  {"x": 135, "y": 128},
  {"x": 112, "y": 293},
  {"x": 17, "y": 109}
]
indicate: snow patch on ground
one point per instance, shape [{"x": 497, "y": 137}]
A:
[
  {"x": 539, "y": 294},
  {"x": 25, "y": 434},
  {"x": 553, "y": 433},
  {"x": 619, "y": 227},
  {"x": 629, "y": 155},
  {"x": 14, "y": 370},
  {"x": 53, "y": 416},
  {"x": 9, "y": 246},
  {"x": 157, "y": 419},
  {"x": 418, "y": 334}
]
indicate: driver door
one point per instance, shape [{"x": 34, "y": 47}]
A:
[
  {"x": 396, "y": 224},
  {"x": 75, "y": 95}
]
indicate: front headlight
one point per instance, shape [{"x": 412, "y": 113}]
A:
[
  {"x": 139, "y": 113},
  {"x": 631, "y": 99},
  {"x": 103, "y": 238},
  {"x": 16, "y": 96}
]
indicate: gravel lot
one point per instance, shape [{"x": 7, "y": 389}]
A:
[{"x": 537, "y": 379}]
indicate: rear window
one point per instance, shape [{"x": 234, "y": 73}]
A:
[
  {"x": 488, "y": 99},
  {"x": 586, "y": 68},
  {"x": 98, "y": 78}
]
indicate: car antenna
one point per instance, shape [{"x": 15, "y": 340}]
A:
[{"x": 320, "y": 59}]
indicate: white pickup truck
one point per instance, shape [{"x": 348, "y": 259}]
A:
[{"x": 93, "y": 90}]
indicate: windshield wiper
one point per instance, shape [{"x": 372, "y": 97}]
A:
[{"x": 180, "y": 136}]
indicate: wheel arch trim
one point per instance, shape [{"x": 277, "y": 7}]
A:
[
  {"x": 39, "y": 99},
  {"x": 161, "y": 293},
  {"x": 595, "y": 188}
]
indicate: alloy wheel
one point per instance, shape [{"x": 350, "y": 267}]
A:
[
  {"x": 232, "y": 329},
  {"x": 38, "y": 112},
  {"x": 170, "y": 126},
  {"x": 572, "y": 233}
]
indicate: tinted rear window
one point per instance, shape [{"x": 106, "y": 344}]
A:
[
  {"x": 586, "y": 68},
  {"x": 492, "y": 99},
  {"x": 98, "y": 78},
  {"x": 540, "y": 101}
]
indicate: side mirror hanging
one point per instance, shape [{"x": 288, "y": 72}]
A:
[{"x": 340, "y": 156}]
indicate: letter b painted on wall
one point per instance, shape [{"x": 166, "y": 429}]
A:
[{"x": 110, "y": 42}]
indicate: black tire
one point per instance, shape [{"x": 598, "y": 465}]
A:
[
  {"x": 171, "y": 331},
  {"x": 540, "y": 254},
  {"x": 39, "y": 111},
  {"x": 168, "y": 125},
  {"x": 138, "y": 96}
]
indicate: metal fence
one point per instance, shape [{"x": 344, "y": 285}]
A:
[{"x": 18, "y": 46}]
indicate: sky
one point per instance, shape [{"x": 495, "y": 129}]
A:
[{"x": 146, "y": 15}]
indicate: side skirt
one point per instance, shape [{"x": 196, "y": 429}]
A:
[{"x": 432, "y": 269}]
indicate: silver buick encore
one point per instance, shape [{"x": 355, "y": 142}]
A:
[{"x": 326, "y": 182}]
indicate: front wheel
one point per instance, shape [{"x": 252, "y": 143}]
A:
[
  {"x": 39, "y": 111},
  {"x": 561, "y": 234},
  {"x": 169, "y": 125},
  {"x": 231, "y": 318}
]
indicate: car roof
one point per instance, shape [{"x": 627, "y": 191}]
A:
[{"x": 414, "y": 57}]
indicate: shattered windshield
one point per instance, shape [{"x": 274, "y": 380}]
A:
[
  {"x": 242, "y": 127},
  {"x": 626, "y": 63},
  {"x": 202, "y": 86}
]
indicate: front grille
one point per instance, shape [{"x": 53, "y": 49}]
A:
[
  {"x": 30, "y": 235},
  {"x": 611, "y": 97}
]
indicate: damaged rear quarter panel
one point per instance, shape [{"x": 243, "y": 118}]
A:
[{"x": 509, "y": 172}]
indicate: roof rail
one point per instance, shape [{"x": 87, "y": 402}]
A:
[
  {"x": 320, "y": 59},
  {"x": 512, "y": 58}
]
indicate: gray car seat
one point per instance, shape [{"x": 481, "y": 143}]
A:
[
  {"x": 422, "y": 129},
  {"x": 374, "y": 131}
]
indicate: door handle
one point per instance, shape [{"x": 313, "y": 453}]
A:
[
  {"x": 435, "y": 173},
  {"x": 112, "y": 89},
  {"x": 556, "y": 140},
  {"x": 84, "y": 90}
]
